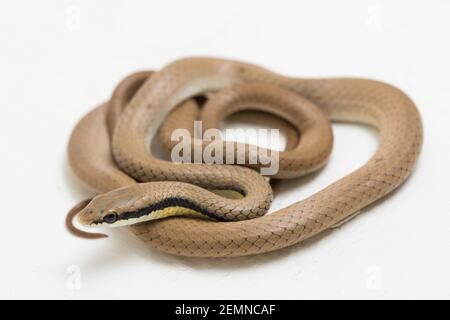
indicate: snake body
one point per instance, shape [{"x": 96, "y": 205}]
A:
[{"x": 111, "y": 163}]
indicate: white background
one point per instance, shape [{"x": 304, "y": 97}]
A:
[{"x": 60, "y": 58}]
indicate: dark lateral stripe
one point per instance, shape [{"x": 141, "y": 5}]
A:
[{"x": 167, "y": 203}]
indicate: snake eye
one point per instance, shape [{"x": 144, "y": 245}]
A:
[{"x": 111, "y": 217}]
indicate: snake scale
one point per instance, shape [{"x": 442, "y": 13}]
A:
[{"x": 109, "y": 151}]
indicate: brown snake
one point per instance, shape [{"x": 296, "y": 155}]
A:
[{"x": 133, "y": 124}]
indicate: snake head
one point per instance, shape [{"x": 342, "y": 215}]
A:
[{"x": 107, "y": 209}]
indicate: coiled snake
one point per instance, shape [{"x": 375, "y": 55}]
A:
[{"x": 110, "y": 150}]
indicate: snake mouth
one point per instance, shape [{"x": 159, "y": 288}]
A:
[
  {"x": 73, "y": 229},
  {"x": 109, "y": 219},
  {"x": 96, "y": 225}
]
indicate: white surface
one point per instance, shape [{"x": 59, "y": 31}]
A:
[{"x": 53, "y": 70}]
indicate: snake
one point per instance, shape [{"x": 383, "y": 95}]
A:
[{"x": 110, "y": 151}]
